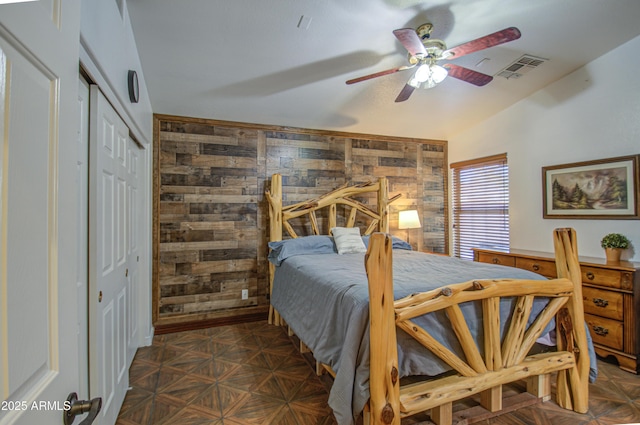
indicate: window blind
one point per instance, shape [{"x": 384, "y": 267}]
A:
[{"x": 480, "y": 205}]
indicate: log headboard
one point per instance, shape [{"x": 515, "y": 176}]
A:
[{"x": 280, "y": 216}]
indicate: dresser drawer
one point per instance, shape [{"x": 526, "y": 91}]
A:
[
  {"x": 603, "y": 303},
  {"x": 543, "y": 267},
  {"x": 605, "y": 277},
  {"x": 503, "y": 260},
  {"x": 605, "y": 331}
]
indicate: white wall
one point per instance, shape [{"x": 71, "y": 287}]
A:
[
  {"x": 107, "y": 52},
  {"x": 592, "y": 113}
]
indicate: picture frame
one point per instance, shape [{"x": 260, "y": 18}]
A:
[{"x": 600, "y": 189}]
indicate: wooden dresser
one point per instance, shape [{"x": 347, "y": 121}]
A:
[{"x": 611, "y": 293}]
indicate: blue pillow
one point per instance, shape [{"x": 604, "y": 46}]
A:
[
  {"x": 317, "y": 244},
  {"x": 397, "y": 243}
]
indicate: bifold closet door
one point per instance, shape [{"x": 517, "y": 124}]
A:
[{"x": 113, "y": 251}]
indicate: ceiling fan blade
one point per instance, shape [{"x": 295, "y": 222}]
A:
[
  {"x": 405, "y": 93},
  {"x": 498, "y": 37},
  {"x": 410, "y": 40},
  {"x": 379, "y": 74},
  {"x": 468, "y": 75}
]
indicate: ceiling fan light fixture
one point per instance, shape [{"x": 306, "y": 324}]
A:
[
  {"x": 413, "y": 82},
  {"x": 422, "y": 73},
  {"x": 438, "y": 73},
  {"x": 428, "y": 76}
]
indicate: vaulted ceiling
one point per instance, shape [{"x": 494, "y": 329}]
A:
[{"x": 285, "y": 62}]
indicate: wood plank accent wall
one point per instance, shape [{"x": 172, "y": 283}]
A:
[{"x": 210, "y": 214}]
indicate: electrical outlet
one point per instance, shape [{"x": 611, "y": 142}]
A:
[{"x": 245, "y": 294}]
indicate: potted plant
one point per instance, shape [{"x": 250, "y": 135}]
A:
[{"x": 613, "y": 244}]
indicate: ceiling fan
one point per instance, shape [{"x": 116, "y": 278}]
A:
[{"x": 425, "y": 52}]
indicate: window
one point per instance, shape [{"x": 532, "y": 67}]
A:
[{"x": 480, "y": 205}]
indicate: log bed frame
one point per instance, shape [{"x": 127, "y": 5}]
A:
[{"x": 503, "y": 361}]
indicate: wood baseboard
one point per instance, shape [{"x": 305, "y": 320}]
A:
[{"x": 161, "y": 329}]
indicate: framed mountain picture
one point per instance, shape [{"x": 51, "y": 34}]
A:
[{"x": 599, "y": 189}]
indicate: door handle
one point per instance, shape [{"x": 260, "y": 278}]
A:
[{"x": 80, "y": 407}]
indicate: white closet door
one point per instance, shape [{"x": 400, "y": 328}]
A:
[{"x": 109, "y": 248}]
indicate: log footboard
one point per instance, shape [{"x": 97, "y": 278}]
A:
[{"x": 504, "y": 359}]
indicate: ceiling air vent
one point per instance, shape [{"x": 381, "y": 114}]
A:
[{"x": 520, "y": 67}]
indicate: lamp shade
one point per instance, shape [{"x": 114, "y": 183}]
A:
[{"x": 408, "y": 219}]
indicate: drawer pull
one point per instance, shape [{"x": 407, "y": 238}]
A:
[
  {"x": 599, "y": 330},
  {"x": 495, "y": 260},
  {"x": 590, "y": 275},
  {"x": 600, "y": 302},
  {"x": 535, "y": 267}
]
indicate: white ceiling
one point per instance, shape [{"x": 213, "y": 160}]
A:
[{"x": 285, "y": 62}]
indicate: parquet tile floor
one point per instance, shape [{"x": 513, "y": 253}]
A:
[{"x": 252, "y": 373}]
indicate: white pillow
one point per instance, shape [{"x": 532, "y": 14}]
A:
[{"x": 348, "y": 240}]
